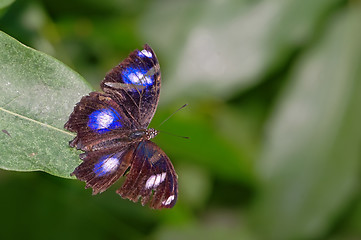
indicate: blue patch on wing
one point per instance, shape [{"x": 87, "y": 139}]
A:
[
  {"x": 137, "y": 76},
  {"x": 104, "y": 120},
  {"x": 106, "y": 165}
]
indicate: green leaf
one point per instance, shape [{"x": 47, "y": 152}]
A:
[
  {"x": 311, "y": 158},
  {"x": 37, "y": 95},
  {"x": 5, "y": 3}
]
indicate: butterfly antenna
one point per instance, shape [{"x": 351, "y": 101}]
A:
[
  {"x": 173, "y": 134},
  {"x": 172, "y": 115}
]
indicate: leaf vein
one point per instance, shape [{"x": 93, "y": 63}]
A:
[{"x": 37, "y": 122}]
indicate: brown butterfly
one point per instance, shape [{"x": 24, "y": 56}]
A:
[{"x": 111, "y": 128}]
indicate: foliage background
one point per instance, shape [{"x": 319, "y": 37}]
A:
[{"x": 273, "y": 89}]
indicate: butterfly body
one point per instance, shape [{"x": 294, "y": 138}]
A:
[{"x": 112, "y": 129}]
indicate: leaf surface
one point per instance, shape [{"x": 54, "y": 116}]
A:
[{"x": 37, "y": 95}]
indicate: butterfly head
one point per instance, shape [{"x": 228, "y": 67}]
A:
[
  {"x": 151, "y": 133},
  {"x": 143, "y": 134}
]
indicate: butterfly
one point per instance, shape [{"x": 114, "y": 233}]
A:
[{"x": 112, "y": 131}]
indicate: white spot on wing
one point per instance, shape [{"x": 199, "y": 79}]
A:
[
  {"x": 169, "y": 200},
  {"x": 154, "y": 180},
  {"x": 104, "y": 119},
  {"x": 148, "y": 80},
  {"x": 146, "y": 53},
  {"x": 134, "y": 78},
  {"x": 110, "y": 164},
  {"x": 106, "y": 166},
  {"x": 139, "y": 78}
]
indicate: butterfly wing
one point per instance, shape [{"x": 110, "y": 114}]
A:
[
  {"x": 100, "y": 169},
  {"x": 95, "y": 118},
  {"x": 102, "y": 126},
  {"x": 129, "y": 101},
  {"x": 136, "y": 81},
  {"x": 151, "y": 172}
]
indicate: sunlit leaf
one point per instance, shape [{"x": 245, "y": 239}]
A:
[
  {"x": 5, "y": 3},
  {"x": 37, "y": 95}
]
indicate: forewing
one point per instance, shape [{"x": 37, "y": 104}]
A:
[
  {"x": 136, "y": 81},
  {"x": 100, "y": 169},
  {"x": 95, "y": 118},
  {"x": 151, "y": 173}
]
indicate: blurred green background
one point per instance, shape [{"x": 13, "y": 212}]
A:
[{"x": 274, "y": 94}]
